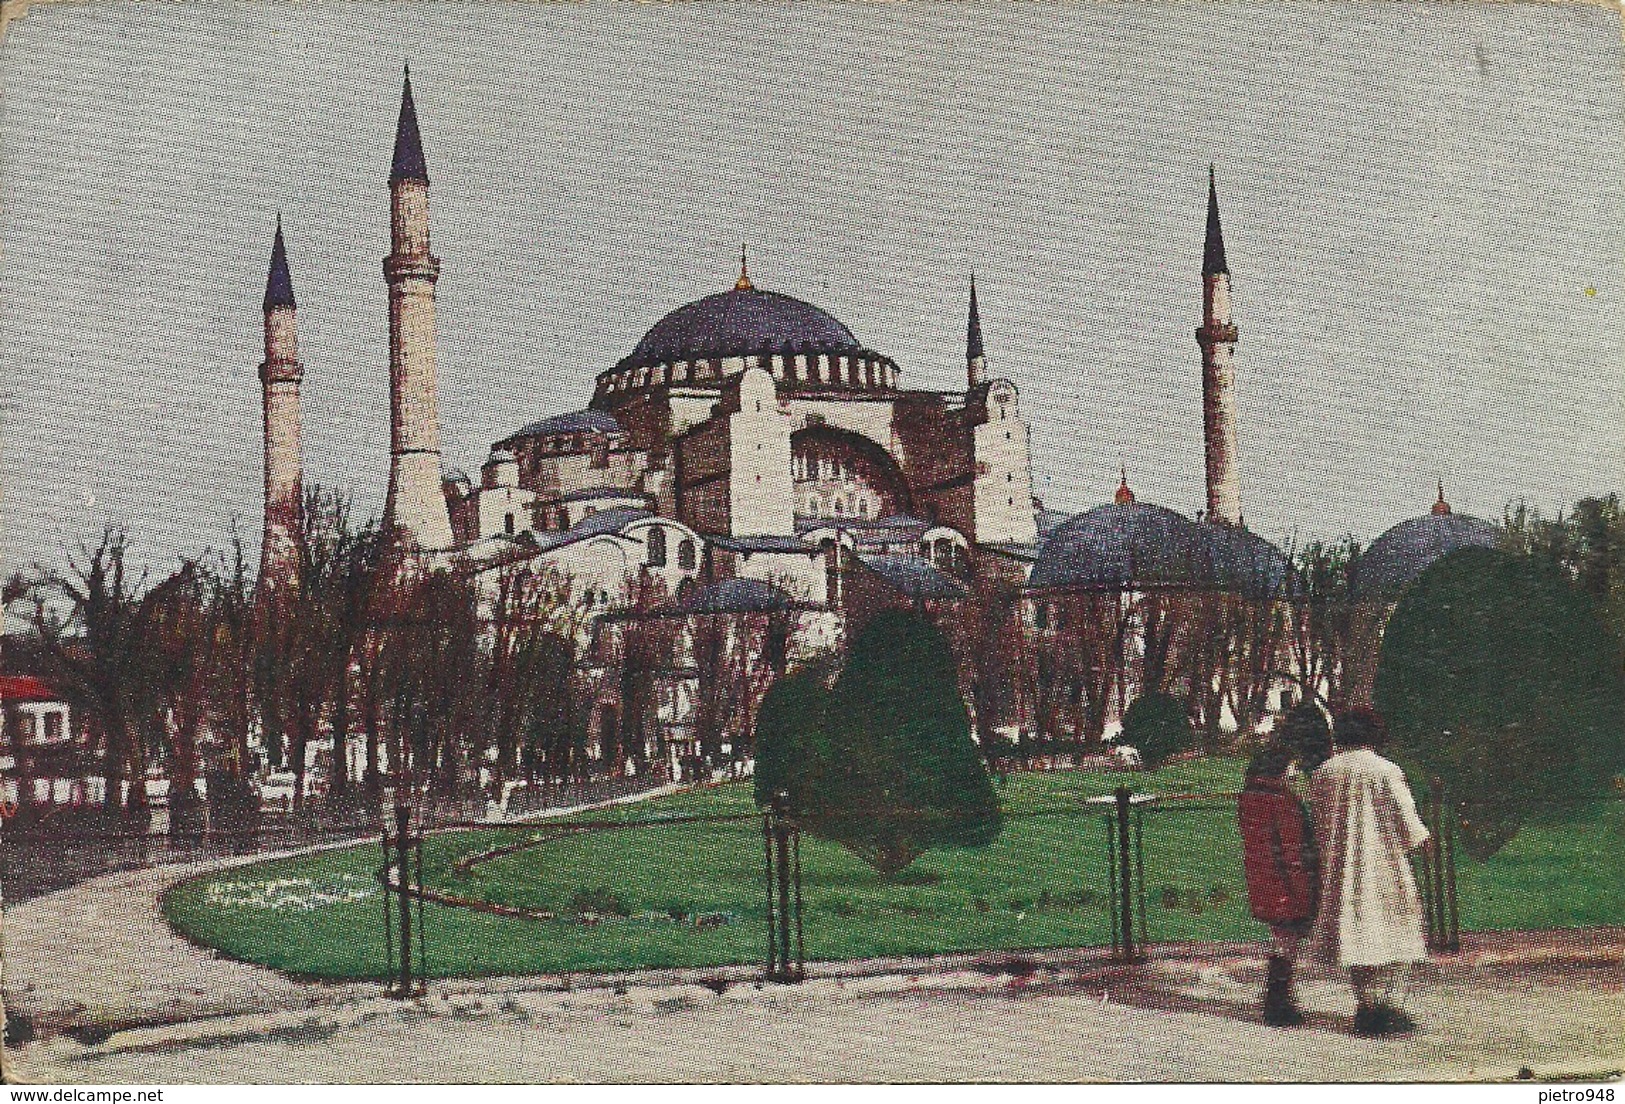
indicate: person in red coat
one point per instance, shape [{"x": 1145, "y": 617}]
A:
[{"x": 1283, "y": 877}]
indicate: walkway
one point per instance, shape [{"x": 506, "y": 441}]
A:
[
  {"x": 101, "y": 952},
  {"x": 1551, "y": 1004}
]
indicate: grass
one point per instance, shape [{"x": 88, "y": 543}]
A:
[{"x": 649, "y": 894}]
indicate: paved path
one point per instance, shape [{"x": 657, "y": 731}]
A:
[
  {"x": 101, "y": 952},
  {"x": 1552, "y": 1004}
]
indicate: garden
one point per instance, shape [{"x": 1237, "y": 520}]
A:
[{"x": 679, "y": 881}]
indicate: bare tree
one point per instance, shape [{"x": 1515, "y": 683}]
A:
[
  {"x": 531, "y": 626},
  {"x": 179, "y": 643},
  {"x": 430, "y": 682},
  {"x": 91, "y": 621},
  {"x": 308, "y": 634},
  {"x": 229, "y": 681},
  {"x": 647, "y": 638},
  {"x": 1320, "y": 633}
]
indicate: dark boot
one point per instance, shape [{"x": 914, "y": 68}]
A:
[
  {"x": 1391, "y": 1020},
  {"x": 1280, "y": 1010}
]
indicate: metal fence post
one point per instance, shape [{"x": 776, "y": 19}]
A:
[
  {"x": 1424, "y": 876},
  {"x": 801, "y": 939},
  {"x": 1436, "y": 809},
  {"x": 782, "y": 871},
  {"x": 772, "y": 919},
  {"x": 402, "y": 865},
  {"x": 1139, "y": 872},
  {"x": 1125, "y": 869},
  {"x": 1453, "y": 924},
  {"x": 1111, "y": 883},
  {"x": 423, "y": 935},
  {"x": 389, "y": 921}
]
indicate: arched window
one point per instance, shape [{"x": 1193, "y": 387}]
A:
[
  {"x": 685, "y": 555},
  {"x": 840, "y": 507},
  {"x": 507, "y": 525},
  {"x": 863, "y": 508},
  {"x": 657, "y": 547}
]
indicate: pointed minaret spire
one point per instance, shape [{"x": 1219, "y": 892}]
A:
[
  {"x": 1217, "y": 337},
  {"x": 975, "y": 357},
  {"x": 409, "y": 163},
  {"x": 1213, "y": 261},
  {"x": 415, "y": 514},
  {"x": 743, "y": 283},
  {"x": 278, "y": 283},
  {"x": 281, "y": 373}
]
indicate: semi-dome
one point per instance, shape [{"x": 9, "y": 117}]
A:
[
  {"x": 1123, "y": 546},
  {"x": 1409, "y": 548},
  {"x": 738, "y": 322}
]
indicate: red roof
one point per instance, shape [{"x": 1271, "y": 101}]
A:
[{"x": 26, "y": 688}]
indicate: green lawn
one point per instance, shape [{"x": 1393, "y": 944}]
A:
[{"x": 1042, "y": 884}]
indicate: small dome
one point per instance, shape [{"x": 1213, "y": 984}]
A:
[
  {"x": 1138, "y": 546},
  {"x": 1244, "y": 562},
  {"x": 500, "y": 456},
  {"x": 1124, "y": 546},
  {"x": 576, "y": 421},
  {"x": 743, "y": 321},
  {"x": 1410, "y": 548},
  {"x": 736, "y": 596}
]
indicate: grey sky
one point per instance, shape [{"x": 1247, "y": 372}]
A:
[{"x": 1415, "y": 200}]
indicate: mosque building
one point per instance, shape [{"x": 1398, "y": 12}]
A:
[{"x": 752, "y": 451}]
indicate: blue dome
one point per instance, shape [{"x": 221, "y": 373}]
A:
[
  {"x": 575, "y": 421},
  {"x": 1248, "y": 564},
  {"x": 736, "y": 596},
  {"x": 1409, "y": 548},
  {"x": 739, "y": 322},
  {"x": 1139, "y": 546},
  {"x": 1132, "y": 546}
]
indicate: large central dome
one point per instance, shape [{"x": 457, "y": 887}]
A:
[{"x": 741, "y": 322}]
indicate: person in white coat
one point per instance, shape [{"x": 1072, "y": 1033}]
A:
[{"x": 1371, "y": 920}]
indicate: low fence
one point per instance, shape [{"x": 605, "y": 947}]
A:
[
  {"x": 42, "y": 859},
  {"x": 707, "y": 882},
  {"x": 1161, "y": 869},
  {"x": 74, "y": 843}
]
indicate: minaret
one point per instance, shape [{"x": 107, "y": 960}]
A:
[
  {"x": 975, "y": 358},
  {"x": 280, "y": 376},
  {"x": 415, "y": 512},
  {"x": 1441, "y": 508},
  {"x": 1217, "y": 337}
]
